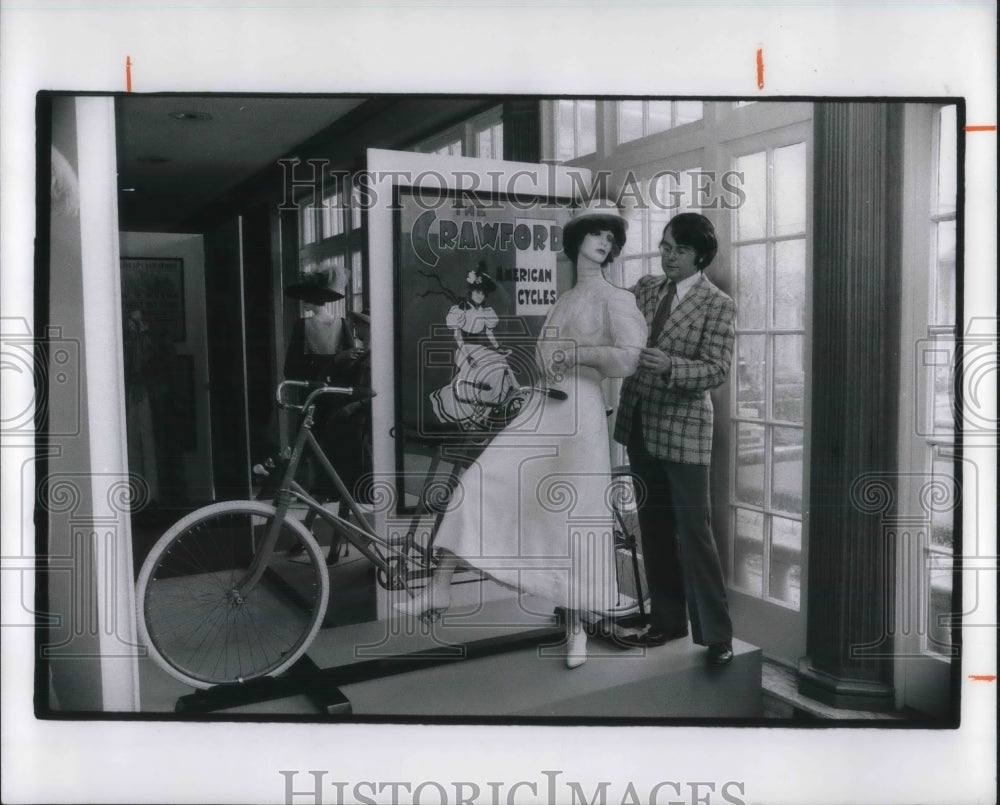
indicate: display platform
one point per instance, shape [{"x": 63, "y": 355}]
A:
[
  {"x": 494, "y": 661},
  {"x": 532, "y": 681}
]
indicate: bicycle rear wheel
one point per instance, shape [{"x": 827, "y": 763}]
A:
[{"x": 204, "y": 631}]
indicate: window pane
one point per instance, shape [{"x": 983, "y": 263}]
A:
[
  {"x": 659, "y": 116},
  {"x": 939, "y": 571},
  {"x": 944, "y": 275},
  {"x": 750, "y": 376},
  {"x": 688, "y": 112},
  {"x": 355, "y": 208},
  {"x": 633, "y": 236},
  {"x": 497, "y": 131},
  {"x": 566, "y": 125},
  {"x": 750, "y": 463},
  {"x": 786, "y": 470},
  {"x": 751, "y": 216},
  {"x": 484, "y": 144},
  {"x": 789, "y": 284},
  {"x": 947, "y": 161},
  {"x": 664, "y": 204},
  {"x": 587, "y": 127},
  {"x": 307, "y": 225},
  {"x": 631, "y": 271},
  {"x": 786, "y": 558},
  {"x": 942, "y": 423},
  {"x": 333, "y": 215},
  {"x": 789, "y": 193},
  {"x": 748, "y": 556},
  {"x": 788, "y": 391},
  {"x": 691, "y": 179},
  {"x": 751, "y": 290},
  {"x": 357, "y": 275},
  {"x": 629, "y": 121},
  {"x": 941, "y": 493}
]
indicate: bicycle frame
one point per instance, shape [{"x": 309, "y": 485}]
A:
[{"x": 289, "y": 490}]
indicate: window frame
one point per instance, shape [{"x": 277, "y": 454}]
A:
[
  {"x": 769, "y": 420},
  {"x": 465, "y": 135},
  {"x": 710, "y": 143},
  {"x": 922, "y": 676}
]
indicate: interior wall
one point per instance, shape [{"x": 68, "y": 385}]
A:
[{"x": 196, "y": 463}]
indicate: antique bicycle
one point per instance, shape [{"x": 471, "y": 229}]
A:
[{"x": 218, "y": 600}]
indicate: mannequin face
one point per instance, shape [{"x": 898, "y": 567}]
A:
[
  {"x": 596, "y": 247},
  {"x": 477, "y": 296},
  {"x": 319, "y": 311}
]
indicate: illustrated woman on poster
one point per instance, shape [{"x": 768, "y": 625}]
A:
[
  {"x": 534, "y": 513},
  {"x": 482, "y": 376}
]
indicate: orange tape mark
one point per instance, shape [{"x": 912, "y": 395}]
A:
[
  {"x": 982, "y": 678},
  {"x": 128, "y": 73},
  {"x": 980, "y": 128},
  {"x": 760, "y": 68}
]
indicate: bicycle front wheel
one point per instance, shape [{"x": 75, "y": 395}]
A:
[{"x": 200, "y": 625}]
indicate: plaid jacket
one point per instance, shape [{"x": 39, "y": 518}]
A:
[{"x": 676, "y": 415}]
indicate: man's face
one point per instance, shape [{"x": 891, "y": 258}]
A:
[{"x": 678, "y": 262}]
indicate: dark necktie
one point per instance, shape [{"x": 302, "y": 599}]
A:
[{"x": 662, "y": 312}]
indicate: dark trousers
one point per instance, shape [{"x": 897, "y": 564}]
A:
[{"x": 678, "y": 549}]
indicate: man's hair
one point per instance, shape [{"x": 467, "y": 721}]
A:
[{"x": 695, "y": 230}]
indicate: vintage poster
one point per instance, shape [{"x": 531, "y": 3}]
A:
[{"x": 476, "y": 277}]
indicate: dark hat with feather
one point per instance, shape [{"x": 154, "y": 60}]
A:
[{"x": 316, "y": 288}]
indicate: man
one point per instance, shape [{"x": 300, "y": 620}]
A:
[{"x": 665, "y": 421}]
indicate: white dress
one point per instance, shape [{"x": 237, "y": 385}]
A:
[{"x": 533, "y": 511}]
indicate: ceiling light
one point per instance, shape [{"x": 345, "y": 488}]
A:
[
  {"x": 190, "y": 116},
  {"x": 128, "y": 189}
]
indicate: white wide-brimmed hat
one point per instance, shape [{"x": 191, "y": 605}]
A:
[{"x": 599, "y": 211}]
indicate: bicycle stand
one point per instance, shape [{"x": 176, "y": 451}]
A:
[{"x": 322, "y": 685}]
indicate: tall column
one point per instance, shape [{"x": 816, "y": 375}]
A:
[
  {"x": 856, "y": 355},
  {"x": 522, "y": 130}
]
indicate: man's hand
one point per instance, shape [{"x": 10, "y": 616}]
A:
[
  {"x": 655, "y": 360},
  {"x": 561, "y": 362}
]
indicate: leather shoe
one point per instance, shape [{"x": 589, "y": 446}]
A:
[
  {"x": 720, "y": 654},
  {"x": 652, "y": 638}
]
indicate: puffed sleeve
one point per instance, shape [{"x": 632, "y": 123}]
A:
[
  {"x": 626, "y": 331},
  {"x": 489, "y": 317},
  {"x": 626, "y": 322},
  {"x": 455, "y": 318}
]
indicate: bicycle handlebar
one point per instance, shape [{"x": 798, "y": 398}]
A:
[{"x": 317, "y": 389}]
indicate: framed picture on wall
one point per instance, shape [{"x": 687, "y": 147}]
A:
[{"x": 155, "y": 287}]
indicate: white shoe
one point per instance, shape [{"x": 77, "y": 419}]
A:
[
  {"x": 429, "y": 605},
  {"x": 576, "y": 647}
]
